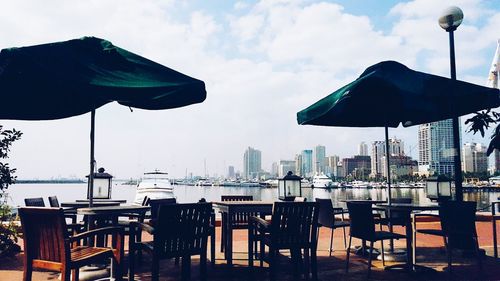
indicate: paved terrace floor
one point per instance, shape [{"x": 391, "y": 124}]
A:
[{"x": 430, "y": 253}]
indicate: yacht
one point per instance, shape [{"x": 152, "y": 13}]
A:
[
  {"x": 320, "y": 180},
  {"x": 155, "y": 185},
  {"x": 359, "y": 184}
]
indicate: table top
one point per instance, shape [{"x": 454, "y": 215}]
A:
[
  {"x": 102, "y": 200},
  {"x": 364, "y": 201},
  {"x": 86, "y": 204},
  {"x": 409, "y": 206},
  {"x": 113, "y": 210},
  {"x": 244, "y": 203}
]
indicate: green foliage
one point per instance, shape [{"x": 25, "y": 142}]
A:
[
  {"x": 7, "y": 137},
  {"x": 8, "y": 227},
  {"x": 481, "y": 122}
]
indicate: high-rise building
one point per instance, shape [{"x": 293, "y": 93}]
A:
[
  {"x": 363, "y": 149},
  {"x": 360, "y": 163},
  {"x": 307, "y": 163},
  {"x": 285, "y": 166},
  {"x": 332, "y": 166},
  {"x": 298, "y": 164},
  {"x": 274, "y": 169},
  {"x": 496, "y": 161},
  {"x": 319, "y": 159},
  {"x": 396, "y": 149},
  {"x": 252, "y": 165},
  {"x": 474, "y": 158},
  {"x": 435, "y": 145},
  {"x": 230, "y": 173}
]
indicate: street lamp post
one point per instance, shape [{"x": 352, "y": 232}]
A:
[{"x": 449, "y": 20}]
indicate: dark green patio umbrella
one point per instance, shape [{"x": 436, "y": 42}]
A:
[
  {"x": 64, "y": 79},
  {"x": 389, "y": 93}
]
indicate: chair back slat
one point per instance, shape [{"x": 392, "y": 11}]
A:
[
  {"x": 34, "y": 202},
  {"x": 361, "y": 218},
  {"x": 156, "y": 203},
  {"x": 294, "y": 224},
  {"x": 239, "y": 219},
  {"x": 53, "y": 202},
  {"x": 182, "y": 229},
  {"x": 458, "y": 221},
  {"x": 44, "y": 233}
]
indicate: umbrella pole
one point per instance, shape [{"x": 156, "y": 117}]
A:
[
  {"x": 92, "y": 160},
  {"x": 388, "y": 165}
]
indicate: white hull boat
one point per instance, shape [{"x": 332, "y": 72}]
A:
[
  {"x": 323, "y": 181},
  {"x": 155, "y": 185}
]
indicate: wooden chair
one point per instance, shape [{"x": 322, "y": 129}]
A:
[
  {"x": 181, "y": 230},
  {"x": 34, "y": 202},
  {"x": 48, "y": 246},
  {"x": 363, "y": 227},
  {"x": 327, "y": 218},
  {"x": 495, "y": 207},
  {"x": 293, "y": 226},
  {"x": 239, "y": 220},
  {"x": 155, "y": 207},
  {"x": 395, "y": 217},
  {"x": 458, "y": 228}
]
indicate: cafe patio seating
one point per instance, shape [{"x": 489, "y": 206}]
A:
[
  {"x": 34, "y": 202},
  {"x": 181, "y": 230},
  {"x": 48, "y": 246},
  {"x": 293, "y": 226},
  {"x": 458, "y": 228},
  {"x": 363, "y": 227},
  {"x": 327, "y": 218}
]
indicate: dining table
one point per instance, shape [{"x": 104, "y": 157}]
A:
[
  {"x": 83, "y": 204},
  {"x": 121, "y": 201},
  {"x": 228, "y": 209},
  {"x": 409, "y": 208}
]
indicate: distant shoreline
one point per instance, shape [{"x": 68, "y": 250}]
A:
[{"x": 66, "y": 181}]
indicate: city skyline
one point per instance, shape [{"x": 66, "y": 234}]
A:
[{"x": 256, "y": 81}]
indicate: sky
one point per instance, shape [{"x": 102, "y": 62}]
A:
[{"x": 262, "y": 62}]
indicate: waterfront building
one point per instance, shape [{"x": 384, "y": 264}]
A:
[
  {"x": 319, "y": 158},
  {"x": 396, "y": 149},
  {"x": 474, "y": 159},
  {"x": 285, "y": 166},
  {"x": 307, "y": 163},
  {"x": 363, "y": 149},
  {"x": 435, "y": 145},
  {"x": 252, "y": 163},
  {"x": 274, "y": 169},
  {"x": 230, "y": 173},
  {"x": 400, "y": 165},
  {"x": 361, "y": 163},
  {"x": 332, "y": 166},
  {"x": 495, "y": 162},
  {"x": 298, "y": 164}
]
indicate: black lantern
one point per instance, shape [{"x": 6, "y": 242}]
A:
[
  {"x": 289, "y": 187},
  {"x": 102, "y": 185},
  {"x": 438, "y": 188}
]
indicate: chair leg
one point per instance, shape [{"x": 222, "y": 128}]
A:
[
  {"x": 28, "y": 270},
  {"x": 345, "y": 238},
  {"x": 272, "y": 263},
  {"x": 348, "y": 252},
  {"x": 331, "y": 244},
  {"x": 314, "y": 264},
  {"x": 203, "y": 266},
  {"x": 307, "y": 263},
  {"x": 65, "y": 274},
  {"x": 223, "y": 233},
  {"x": 370, "y": 259},
  {"x": 478, "y": 254},
  {"x": 495, "y": 245},
  {"x": 212, "y": 248},
  {"x": 75, "y": 274},
  {"x": 186, "y": 268},
  {"x": 262, "y": 252},
  {"x": 382, "y": 248},
  {"x": 155, "y": 268},
  {"x": 448, "y": 253},
  {"x": 250, "y": 246}
]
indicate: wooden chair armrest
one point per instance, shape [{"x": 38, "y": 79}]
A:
[
  {"x": 95, "y": 232},
  {"x": 259, "y": 223},
  {"x": 143, "y": 226}
]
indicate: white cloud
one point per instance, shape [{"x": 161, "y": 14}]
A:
[{"x": 262, "y": 62}]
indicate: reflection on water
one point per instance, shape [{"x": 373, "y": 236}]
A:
[{"x": 184, "y": 194}]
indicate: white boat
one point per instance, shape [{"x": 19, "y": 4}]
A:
[
  {"x": 155, "y": 185},
  {"x": 359, "y": 184},
  {"x": 322, "y": 181}
]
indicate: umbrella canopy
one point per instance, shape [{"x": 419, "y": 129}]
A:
[
  {"x": 389, "y": 93},
  {"x": 63, "y": 79}
]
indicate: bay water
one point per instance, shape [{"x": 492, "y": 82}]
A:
[{"x": 186, "y": 194}]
